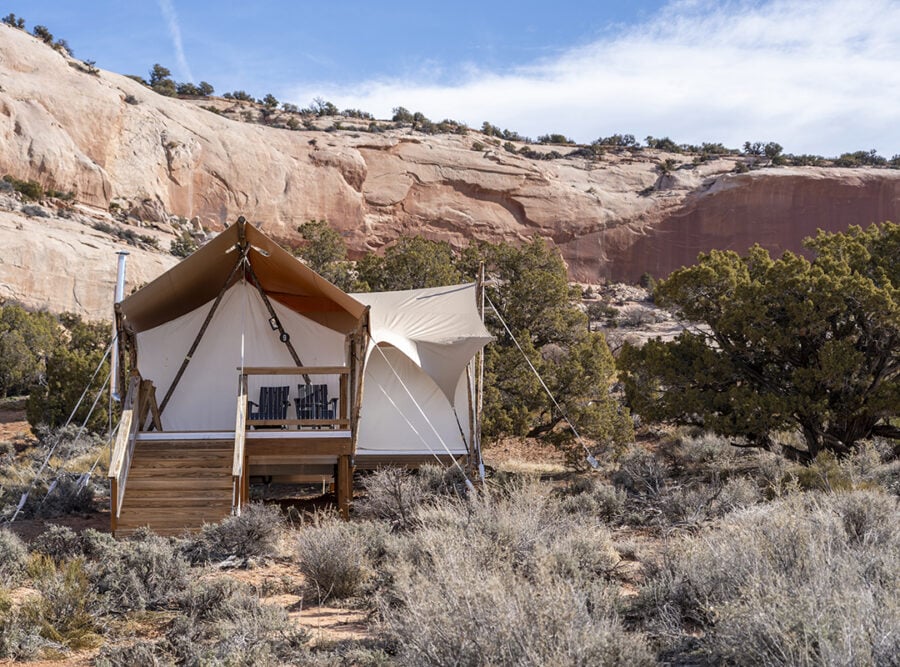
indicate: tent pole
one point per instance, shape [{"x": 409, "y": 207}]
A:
[
  {"x": 479, "y": 380},
  {"x": 470, "y": 465},
  {"x": 344, "y": 484},
  {"x": 359, "y": 371}
]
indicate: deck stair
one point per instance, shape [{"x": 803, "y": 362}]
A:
[{"x": 177, "y": 486}]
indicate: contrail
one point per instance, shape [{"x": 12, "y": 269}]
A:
[{"x": 171, "y": 17}]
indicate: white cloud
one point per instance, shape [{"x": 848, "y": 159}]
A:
[
  {"x": 818, "y": 76},
  {"x": 168, "y": 12}
]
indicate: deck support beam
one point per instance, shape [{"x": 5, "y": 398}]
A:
[{"x": 344, "y": 486}]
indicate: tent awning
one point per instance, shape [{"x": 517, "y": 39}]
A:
[
  {"x": 438, "y": 328},
  {"x": 200, "y": 278}
]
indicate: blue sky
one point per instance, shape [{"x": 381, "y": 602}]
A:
[{"x": 817, "y": 76}]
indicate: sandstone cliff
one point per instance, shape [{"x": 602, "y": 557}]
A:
[{"x": 111, "y": 140}]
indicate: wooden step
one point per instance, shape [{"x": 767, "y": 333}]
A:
[
  {"x": 208, "y": 485},
  {"x": 174, "y": 487},
  {"x": 180, "y": 453},
  {"x": 183, "y": 474},
  {"x": 163, "y": 516},
  {"x": 139, "y": 496}
]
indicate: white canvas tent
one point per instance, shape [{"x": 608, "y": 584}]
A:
[
  {"x": 418, "y": 379},
  {"x": 240, "y": 319},
  {"x": 235, "y": 322}
]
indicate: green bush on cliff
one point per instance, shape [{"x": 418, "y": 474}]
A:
[{"x": 28, "y": 189}]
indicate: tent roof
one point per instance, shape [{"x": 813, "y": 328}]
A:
[
  {"x": 199, "y": 278},
  {"x": 438, "y": 328}
]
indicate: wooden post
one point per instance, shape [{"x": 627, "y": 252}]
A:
[
  {"x": 245, "y": 481},
  {"x": 344, "y": 486},
  {"x": 113, "y": 502}
]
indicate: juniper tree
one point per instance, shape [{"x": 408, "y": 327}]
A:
[{"x": 786, "y": 344}]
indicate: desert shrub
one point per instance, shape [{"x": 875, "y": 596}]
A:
[
  {"x": 333, "y": 559},
  {"x": 737, "y": 493},
  {"x": 690, "y": 505},
  {"x": 67, "y": 440},
  {"x": 810, "y": 579},
  {"x": 184, "y": 245},
  {"x": 364, "y": 653},
  {"x": 57, "y": 542},
  {"x": 253, "y": 534},
  {"x": 28, "y": 189},
  {"x": 143, "y": 652},
  {"x": 593, "y": 497},
  {"x": 525, "y": 528},
  {"x": 65, "y": 610},
  {"x": 470, "y": 618},
  {"x": 508, "y": 580},
  {"x": 34, "y": 211},
  {"x": 96, "y": 544},
  {"x": 825, "y": 473},
  {"x": 694, "y": 451},
  {"x": 144, "y": 572},
  {"x": 393, "y": 494},
  {"x": 582, "y": 552},
  {"x": 69, "y": 496},
  {"x": 19, "y": 638},
  {"x": 13, "y": 557},
  {"x": 61, "y": 542},
  {"x": 223, "y": 623},
  {"x": 641, "y": 472}
]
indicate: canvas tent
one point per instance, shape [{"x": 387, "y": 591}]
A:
[
  {"x": 164, "y": 318},
  {"x": 241, "y": 316}
]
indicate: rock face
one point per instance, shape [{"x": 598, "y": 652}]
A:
[
  {"x": 66, "y": 266},
  {"x": 776, "y": 208},
  {"x": 110, "y": 139}
]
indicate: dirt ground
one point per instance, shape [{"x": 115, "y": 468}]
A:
[{"x": 13, "y": 425}]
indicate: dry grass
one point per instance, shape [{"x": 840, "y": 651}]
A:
[
  {"x": 681, "y": 550},
  {"x": 809, "y": 579}
]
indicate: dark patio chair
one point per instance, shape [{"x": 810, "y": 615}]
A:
[
  {"x": 312, "y": 402},
  {"x": 273, "y": 404}
]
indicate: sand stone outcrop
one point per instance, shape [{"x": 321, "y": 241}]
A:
[
  {"x": 67, "y": 266},
  {"x": 109, "y": 139}
]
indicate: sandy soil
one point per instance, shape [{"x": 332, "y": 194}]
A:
[{"x": 13, "y": 425}]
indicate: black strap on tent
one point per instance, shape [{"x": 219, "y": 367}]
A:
[
  {"x": 242, "y": 255},
  {"x": 283, "y": 335}
]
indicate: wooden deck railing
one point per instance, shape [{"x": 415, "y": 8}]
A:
[
  {"x": 140, "y": 401},
  {"x": 120, "y": 460},
  {"x": 342, "y": 418}
]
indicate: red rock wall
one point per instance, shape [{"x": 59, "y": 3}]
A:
[{"x": 775, "y": 210}]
